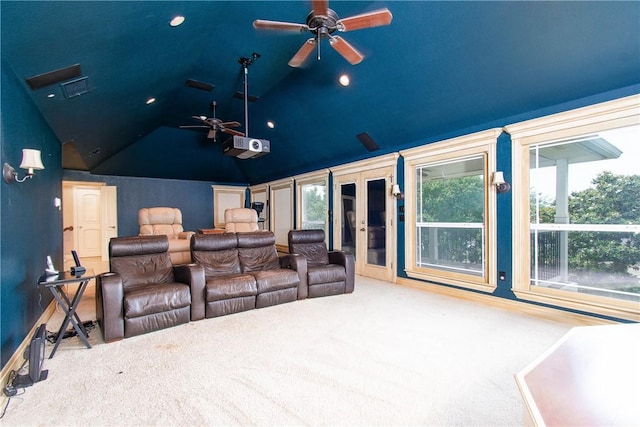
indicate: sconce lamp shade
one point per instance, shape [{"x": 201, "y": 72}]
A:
[
  {"x": 501, "y": 185},
  {"x": 396, "y": 192},
  {"x": 31, "y": 160}
]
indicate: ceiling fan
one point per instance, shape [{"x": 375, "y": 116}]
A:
[
  {"x": 322, "y": 22},
  {"x": 214, "y": 124}
]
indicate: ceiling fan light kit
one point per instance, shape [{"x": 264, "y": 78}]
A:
[
  {"x": 213, "y": 125},
  {"x": 322, "y": 22}
]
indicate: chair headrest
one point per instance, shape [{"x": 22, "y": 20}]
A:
[
  {"x": 138, "y": 245},
  {"x": 306, "y": 236},
  {"x": 159, "y": 215},
  {"x": 240, "y": 215},
  {"x": 256, "y": 239},
  {"x": 213, "y": 242}
]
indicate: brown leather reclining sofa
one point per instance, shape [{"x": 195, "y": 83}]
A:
[
  {"x": 243, "y": 271},
  {"x": 143, "y": 291}
]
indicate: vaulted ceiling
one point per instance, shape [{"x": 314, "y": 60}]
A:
[{"x": 439, "y": 68}]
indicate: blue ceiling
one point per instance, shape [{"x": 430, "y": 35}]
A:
[{"x": 439, "y": 68}]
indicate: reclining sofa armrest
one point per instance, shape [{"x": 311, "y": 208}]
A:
[
  {"x": 110, "y": 306},
  {"x": 348, "y": 262},
  {"x": 193, "y": 275},
  {"x": 186, "y": 234},
  {"x": 299, "y": 264}
]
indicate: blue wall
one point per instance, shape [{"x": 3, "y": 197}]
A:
[
  {"x": 31, "y": 226},
  {"x": 193, "y": 198}
]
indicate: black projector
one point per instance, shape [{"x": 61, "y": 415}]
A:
[{"x": 244, "y": 147}]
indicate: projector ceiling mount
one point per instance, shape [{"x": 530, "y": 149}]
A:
[
  {"x": 322, "y": 22},
  {"x": 246, "y": 147},
  {"x": 245, "y": 62}
]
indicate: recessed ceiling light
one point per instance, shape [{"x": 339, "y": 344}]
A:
[
  {"x": 176, "y": 21},
  {"x": 271, "y": 124},
  {"x": 344, "y": 80},
  {"x": 151, "y": 101}
]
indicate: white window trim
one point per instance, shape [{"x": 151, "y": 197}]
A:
[
  {"x": 591, "y": 119},
  {"x": 480, "y": 143},
  {"x": 317, "y": 177},
  {"x": 274, "y": 187},
  {"x": 224, "y": 191}
]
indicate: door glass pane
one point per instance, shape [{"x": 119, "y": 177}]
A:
[
  {"x": 376, "y": 224},
  {"x": 450, "y": 216},
  {"x": 313, "y": 206},
  {"x": 348, "y": 226},
  {"x": 585, "y": 214}
]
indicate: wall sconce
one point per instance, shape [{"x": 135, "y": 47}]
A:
[
  {"x": 501, "y": 185},
  {"x": 30, "y": 160},
  {"x": 395, "y": 192}
]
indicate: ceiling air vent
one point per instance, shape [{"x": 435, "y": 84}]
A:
[{"x": 75, "y": 87}]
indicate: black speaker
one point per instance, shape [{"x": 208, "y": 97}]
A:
[
  {"x": 53, "y": 77},
  {"x": 199, "y": 85},
  {"x": 367, "y": 141}
]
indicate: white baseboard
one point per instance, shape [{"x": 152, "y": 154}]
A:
[{"x": 548, "y": 313}]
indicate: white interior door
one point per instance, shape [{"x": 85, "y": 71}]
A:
[{"x": 87, "y": 220}]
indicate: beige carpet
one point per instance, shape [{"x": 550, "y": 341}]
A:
[{"x": 384, "y": 355}]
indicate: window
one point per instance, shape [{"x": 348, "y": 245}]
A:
[
  {"x": 450, "y": 213},
  {"x": 312, "y": 201},
  {"x": 450, "y": 225},
  {"x": 581, "y": 213}
]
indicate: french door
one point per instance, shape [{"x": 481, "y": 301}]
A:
[{"x": 363, "y": 219}]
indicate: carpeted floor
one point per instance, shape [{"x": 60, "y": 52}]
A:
[{"x": 384, "y": 355}]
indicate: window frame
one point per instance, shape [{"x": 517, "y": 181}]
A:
[
  {"x": 317, "y": 177},
  {"x": 591, "y": 119},
  {"x": 281, "y": 211},
  {"x": 477, "y": 144}
]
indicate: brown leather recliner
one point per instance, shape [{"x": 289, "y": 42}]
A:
[
  {"x": 143, "y": 292},
  {"x": 328, "y": 272}
]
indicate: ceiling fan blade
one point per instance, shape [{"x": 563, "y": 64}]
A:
[
  {"x": 262, "y": 24},
  {"x": 201, "y": 119},
  {"x": 195, "y": 127},
  {"x": 230, "y": 124},
  {"x": 365, "y": 20},
  {"x": 320, "y": 7},
  {"x": 303, "y": 52},
  {"x": 349, "y": 52},
  {"x": 212, "y": 134},
  {"x": 233, "y": 132}
]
